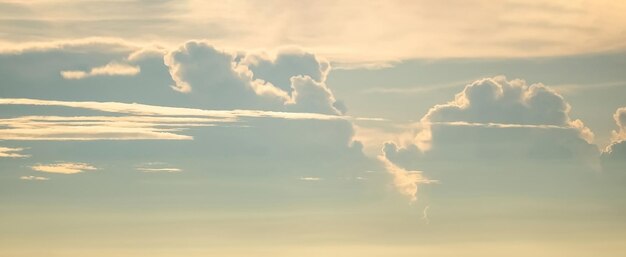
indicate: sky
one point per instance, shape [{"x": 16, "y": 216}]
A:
[{"x": 323, "y": 128}]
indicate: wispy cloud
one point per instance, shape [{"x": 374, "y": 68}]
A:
[
  {"x": 310, "y": 178},
  {"x": 157, "y": 167},
  {"x": 155, "y": 110},
  {"x": 7, "y": 152},
  {"x": 576, "y": 88},
  {"x": 110, "y": 69},
  {"x": 64, "y": 167},
  {"x": 141, "y": 121},
  {"x": 415, "y": 89},
  {"x": 34, "y": 178},
  {"x": 100, "y": 127},
  {"x": 405, "y": 181}
]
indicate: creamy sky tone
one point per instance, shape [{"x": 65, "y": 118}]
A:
[{"x": 326, "y": 128}]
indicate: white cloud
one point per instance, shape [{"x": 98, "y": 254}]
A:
[
  {"x": 143, "y": 109},
  {"x": 64, "y": 167},
  {"x": 157, "y": 167},
  {"x": 494, "y": 121},
  {"x": 620, "y": 120},
  {"x": 168, "y": 170},
  {"x": 100, "y": 127},
  {"x": 496, "y": 102},
  {"x": 34, "y": 178},
  {"x": 405, "y": 181},
  {"x": 616, "y": 151},
  {"x": 8, "y": 152},
  {"x": 310, "y": 178},
  {"x": 110, "y": 69}
]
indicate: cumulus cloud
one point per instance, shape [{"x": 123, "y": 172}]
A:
[
  {"x": 110, "y": 69},
  {"x": 64, "y": 167},
  {"x": 620, "y": 120},
  {"x": 295, "y": 128},
  {"x": 36, "y": 178},
  {"x": 616, "y": 151},
  {"x": 214, "y": 74},
  {"x": 8, "y": 152},
  {"x": 279, "y": 67},
  {"x": 289, "y": 80},
  {"x": 498, "y": 103},
  {"x": 494, "y": 120}
]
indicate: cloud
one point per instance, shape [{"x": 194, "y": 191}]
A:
[
  {"x": 143, "y": 109},
  {"x": 64, "y": 167},
  {"x": 36, "y": 178},
  {"x": 405, "y": 181},
  {"x": 620, "y": 120},
  {"x": 59, "y": 128},
  {"x": 157, "y": 167},
  {"x": 614, "y": 156},
  {"x": 495, "y": 122},
  {"x": 240, "y": 122},
  {"x": 110, "y": 69},
  {"x": 291, "y": 80},
  {"x": 8, "y": 152},
  {"x": 496, "y": 102},
  {"x": 310, "y": 178},
  {"x": 515, "y": 28},
  {"x": 215, "y": 75},
  {"x": 142, "y": 122}
]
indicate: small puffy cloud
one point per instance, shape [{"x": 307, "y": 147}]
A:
[
  {"x": 614, "y": 156},
  {"x": 620, "y": 120},
  {"x": 64, "y": 167},
  {"x": 8, "y": 152},
  {"x": 110, "y": 69},
  {"x": 36, "y": 178}
]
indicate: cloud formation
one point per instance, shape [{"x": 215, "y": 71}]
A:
[
  {"x": 36, "y": 178},
  {"x": 310, "y": 178},
  {"x": 515, "y": 28},
  {"x": 8, "y": 152},
  {"x": 406, "y": 181},
  {"x": 110, "y": 69},
  {"x": 498, "y": 103},
  {"x": 615, "y": 153},
  {"x": 498, "y": 121},
  {"x": 64, "y": 167},
  {"x": 292, "y": 80},
  {"x": 157, "y": 167}
]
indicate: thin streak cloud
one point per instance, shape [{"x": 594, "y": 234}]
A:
[{"x": 64, "y": 167}]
